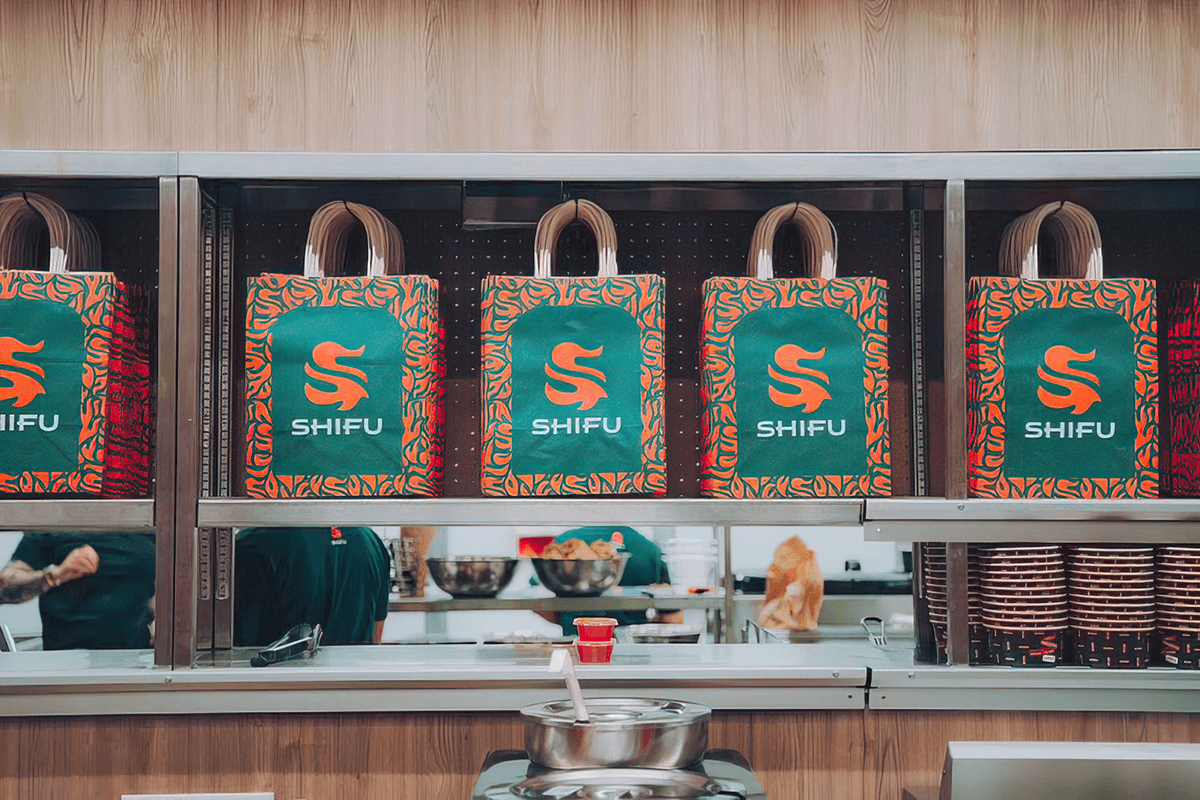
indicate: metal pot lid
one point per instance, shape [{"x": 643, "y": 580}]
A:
[
  {"x": 620, "y": 712},
  {"x": 626, "y": 784}
]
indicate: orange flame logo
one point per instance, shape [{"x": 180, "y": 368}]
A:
[
  {"x": 1080, "y": 396},
  {"x": 22, "y": 388},
  {"x": 345, "y": 391},
  {"x": 585, "y": 391},
  {"x": 810, "y": 394}
]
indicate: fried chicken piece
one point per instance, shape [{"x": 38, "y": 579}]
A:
[{"x": 603, "y": 549}]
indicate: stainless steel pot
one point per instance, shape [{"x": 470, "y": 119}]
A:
[{"x": 622, "y": 732}]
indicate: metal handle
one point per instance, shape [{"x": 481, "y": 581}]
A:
[
  {"x": 819, "y": 241},
  {"x": 1076, "y": 243},
  {"x": 329, "y": 231},
  {"x": 554, "y": 221},
  {"x": 560, "y": 662}
]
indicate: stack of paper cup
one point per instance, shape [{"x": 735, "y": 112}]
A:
[{"x": 692, "y": 562}]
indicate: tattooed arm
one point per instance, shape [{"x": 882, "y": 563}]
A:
[{"x": 19, "y": 582}]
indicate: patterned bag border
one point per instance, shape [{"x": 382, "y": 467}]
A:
[
  {"x": 991, "y": 305},
  {"x": 411, "y": 299},
  {"x": 94, "y": 297},
  {"x": 505, "y": 299},
  {"x": 729, "y": 300}
]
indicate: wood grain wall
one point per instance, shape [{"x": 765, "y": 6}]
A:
[
  {"x": 599, "y": 75},
  {"x": 833, "y": 755}
]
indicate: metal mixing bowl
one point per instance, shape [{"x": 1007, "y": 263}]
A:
[
  {"x": 622, "y": 732},
  {"x": 579, "y": 577},
  {"x": 470, "y": 576}
]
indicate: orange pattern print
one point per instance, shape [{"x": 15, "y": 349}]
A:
[
  {"x": 411, "y": 299},
  {"x": 726, "y": 302},
  {"x": 991, "y": 305},
  {"x": 505, "y": 299}
]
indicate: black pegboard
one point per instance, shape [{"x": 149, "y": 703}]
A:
[{"x": 685, "y": 247}]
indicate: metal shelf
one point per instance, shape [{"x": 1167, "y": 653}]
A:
[
  {"x": 92, "y": 515},
  {"x": 89, "y": 163},
  {"x": 615, "y": 600},
  {"x": 740, "y": 167},
  {"x": 237, "y": 512},
  {"x": 938, "y": 520}
]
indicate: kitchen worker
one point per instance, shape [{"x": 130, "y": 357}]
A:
[
  {"x": 96, "y": 588},
  {"x": 338, "y": 577},
  {"x": 645, "y": 567}
]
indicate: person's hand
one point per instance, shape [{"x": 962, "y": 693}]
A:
[{"x": 79, "y": 563}]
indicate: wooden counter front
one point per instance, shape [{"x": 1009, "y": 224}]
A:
[{"x": 832, "y": 755}]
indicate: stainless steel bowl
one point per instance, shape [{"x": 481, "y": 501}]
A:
[
  {"x": 621, "y": 732},
  {"x": 580, "y": 577},
  {"x": 469, "y": 576},
  {"x": 664, "y": 633}
]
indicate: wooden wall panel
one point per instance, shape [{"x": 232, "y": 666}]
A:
[
  {"x": 599, "y": 75},
  {"x": 121, "y": 74}
]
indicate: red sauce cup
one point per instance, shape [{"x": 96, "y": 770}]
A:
[
  {"x": 594, "y": 652},
  {"x": 595, "y": 629}
]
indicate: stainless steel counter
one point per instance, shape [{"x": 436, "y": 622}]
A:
[
  {"x": 828, "y": 675},
  {"x": 432, "y": 678}
]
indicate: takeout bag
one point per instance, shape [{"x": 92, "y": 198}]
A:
[
  {"x": 794, "y": 374},
  {"x": 1183, "y": 386},
  {"x": 572, "y": 374},
  {"x": 1062, "y": 375},
  {"x": 795, "y": 589},
  {"x": 344, "y": 374},
  {"x": 75, "y": 393}
]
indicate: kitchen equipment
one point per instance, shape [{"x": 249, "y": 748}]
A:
[
  {"x": 595, "y": 629},
  {"x": 580, "y": 577},
  {"x": 877, "y": 639},
  {"x": 471, "y": 576},
  {"x": 622, "y": 732},
  {"x": 560, "y": 663},
  {"x": 509, "y": 774},
  {"x": 301, "y": 641},
  {"x": 664, "y": 633},
  {"x": 691, "y": 562}
]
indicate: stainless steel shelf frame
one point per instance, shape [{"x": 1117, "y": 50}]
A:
[
  {"x": 120, "y": 182},
  {"x": 958, "y": 174},
  {"x": 236, "y": 512},
  {"x": 629, "y": 601}
]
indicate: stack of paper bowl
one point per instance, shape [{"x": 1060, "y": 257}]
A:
[
  {"x": 1178, "y": 598},
  {"x": 1024, "y": 594},
  {"x": 978, "y": 633},
  {"x": 1112, "y": 604},
  {"x": 933, "y": 575},
  {"x": 937, "y": 596}
]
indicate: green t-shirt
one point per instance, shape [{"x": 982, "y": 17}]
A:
[
  {"x": 109, "y": 610},
  {"x": 338, "y": 577},
  {"x": 644, "y": 568}
]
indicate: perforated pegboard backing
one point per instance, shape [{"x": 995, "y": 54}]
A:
[{"x": 686, "y": 247}]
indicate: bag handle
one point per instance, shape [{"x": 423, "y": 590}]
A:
[
  {"x": 1076, "y": 243},
  {"x": 817, "y": 234},
  {"x": 74, "y": 243},
  {"x": 551, "y": 225},
  {"x": 329, "y": 231}
]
